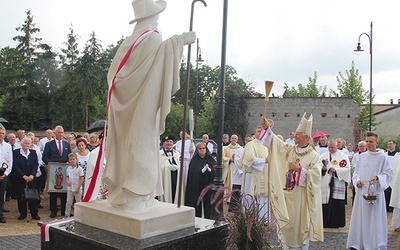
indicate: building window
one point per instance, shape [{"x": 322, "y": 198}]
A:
[
  {"x": 249, "y": 114},
  {"x": 323, "y": 114},
  {"x": 298, "y": 115},
  {"x": 336, "y": 115},
  {"x": 273, "y": 114},
  {"x": 286, "y": 114},
  {"x": 348, "y": 116}
]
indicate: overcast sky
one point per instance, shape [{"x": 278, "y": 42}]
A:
[{"x": 281, "y": 41}]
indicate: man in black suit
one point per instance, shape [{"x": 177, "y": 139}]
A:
[{"x": 57, "y": 150}]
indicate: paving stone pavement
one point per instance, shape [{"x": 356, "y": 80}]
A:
[
  {"x": 22, "y": 242},
  {"x": 17, "y": 234}
]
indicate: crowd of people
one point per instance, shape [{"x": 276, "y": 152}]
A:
[
  {"x": 24, "y": 158},
  {"x": 308, "y": 179},
  {"x": 309, "y": 182}
]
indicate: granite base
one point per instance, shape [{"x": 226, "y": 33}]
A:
[{"x": 76, "y": 235}]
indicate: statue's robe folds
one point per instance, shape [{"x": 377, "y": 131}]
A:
[{"x": 138, "y": 106}]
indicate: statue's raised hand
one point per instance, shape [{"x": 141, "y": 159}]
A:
[{"x": 188, "y": 37}]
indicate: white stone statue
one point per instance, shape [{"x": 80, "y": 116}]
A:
[{"x": 139, "y": 101}]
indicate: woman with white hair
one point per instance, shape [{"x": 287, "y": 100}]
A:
[{"x": 25, "y": 165}]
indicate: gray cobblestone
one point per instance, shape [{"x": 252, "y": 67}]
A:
[{"x": 22, "y": 242}]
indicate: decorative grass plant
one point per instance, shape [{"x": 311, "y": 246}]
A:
[{"x": 247, "y": 229}]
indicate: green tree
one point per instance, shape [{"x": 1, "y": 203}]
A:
[
  {"x": 173, "y": 122},
  {"x": 350, "y": 86},
  {"x": 204, "y": 123},
  {"x": 71, "y": 107},
  {"x": 27, "y": 100},
  {"x": 236, "y": 121},
  {"x": 309, "y": 90},
  {"x": 236, "y": 93},
  {"x": 208, "y": 85},
  {"x": 363, "y": 118},
  {"x": 28, "y": 42},
  {"x": 47, "y": 76},
  {"x": 12, "y": 66},
  {"x": 92, "y": 80}
]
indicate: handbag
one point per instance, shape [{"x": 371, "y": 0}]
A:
[
  {"x": 30, "y": 194},
  {"x": 38, "y": 173},
  {"x": 3, "y": 169}
]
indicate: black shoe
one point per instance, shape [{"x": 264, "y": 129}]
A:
[
  {"x": 21, "y": 217},
  {"x": 53, "y": 214},
  {"x": 62, "y": 213},
  {"x": 2, "y": 220},
  {"x": 40, "y": 206},
  {"x": 5, "y": 210},
  {"x": 36, "y": 217}
]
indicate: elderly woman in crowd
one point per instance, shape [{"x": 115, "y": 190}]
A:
[
  {"x": 200, "y": 174},
  {"x": 25, "y": 165},
  {"x": 93, "y": 142}
]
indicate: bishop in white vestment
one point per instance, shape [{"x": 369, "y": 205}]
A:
[{"x": 297, "y": 210}]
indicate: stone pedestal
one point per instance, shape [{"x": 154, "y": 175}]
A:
[
  {"x": 161, "y": 219},
  {"x": 75, "y": 235}
]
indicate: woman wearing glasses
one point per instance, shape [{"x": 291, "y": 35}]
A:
[{"x": 200, "y": 174}]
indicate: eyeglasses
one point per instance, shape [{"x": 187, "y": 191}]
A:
[{"x": 201, "y": 148}]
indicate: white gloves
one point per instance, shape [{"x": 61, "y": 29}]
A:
[
  {"x": 174, "y": 167},
  {"x": 206, "y": 168}
]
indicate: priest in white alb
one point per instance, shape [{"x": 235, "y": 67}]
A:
[
  {"x": 169, "y": 162},
  {"x": 255, "y": 183},
  {"x": 335, "y": 175},
  {"x": 228, "y": 161},
  {"x": 395, "y": 197}
]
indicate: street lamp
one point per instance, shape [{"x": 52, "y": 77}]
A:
[
  {"x": 358, "y": 49},
  {"x": 199, "y": 60},
  {"x": 218, "y": 180}
]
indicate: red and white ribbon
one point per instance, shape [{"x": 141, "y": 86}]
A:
[
  {"x": 94, "y": 187},
  {"x": 45, "y": 227},
  {"x": 124, "y": 59}
]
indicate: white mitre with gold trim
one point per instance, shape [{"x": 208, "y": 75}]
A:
[{"x": 305, "y": 126}]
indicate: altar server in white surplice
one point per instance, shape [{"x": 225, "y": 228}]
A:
[{"x": 368, "y": 224}]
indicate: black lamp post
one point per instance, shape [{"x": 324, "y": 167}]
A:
[
  {"x": 218, "y": 181},
  {"x": 358, "y": 49},
  {"x": 199, "y": 60}
]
